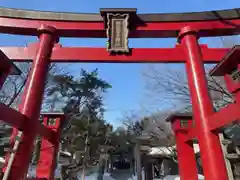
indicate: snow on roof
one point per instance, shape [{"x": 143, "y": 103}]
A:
[
  {"x": 2, "y": 161},
  {"x": 65, "y": 153},
  {"x": 166, "y": 151}
]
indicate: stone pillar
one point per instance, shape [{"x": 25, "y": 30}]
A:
[
  {"x": 148, "y": 168},
  {"x": 138, "y": 164}
]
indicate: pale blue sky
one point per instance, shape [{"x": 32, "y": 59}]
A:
[{"x": 128, "y": 85}]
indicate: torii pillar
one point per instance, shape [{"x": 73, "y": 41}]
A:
[
  {"x": 181, "y": 125},
  {"x": 211, "y": 152},
  {"x": 31, "y": 105}
]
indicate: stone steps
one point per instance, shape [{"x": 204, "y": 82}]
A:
[{"x": 232, "y": 158}]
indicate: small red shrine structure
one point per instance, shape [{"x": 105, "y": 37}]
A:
[
  {"x": 47, "y": 162},
  {"x": 117, "y": 25},
  {"x": 182, "y": 124},
  {"x": 229, "y": 68}
]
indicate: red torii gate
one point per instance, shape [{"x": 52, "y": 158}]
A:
[{"x": 49, "y": 26}]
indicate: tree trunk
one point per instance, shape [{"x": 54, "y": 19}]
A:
[
  {"x": 86, "y": 151},
  {"x": 101, "y": 167},
  {"x": 83, "y": 173},
  {"x": 71, "y": 173},
  {"x": 138, "y": 161}
]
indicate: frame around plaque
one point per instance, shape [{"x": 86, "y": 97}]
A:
[{"x": 117, "y": 32}]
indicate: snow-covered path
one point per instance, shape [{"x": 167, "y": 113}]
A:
[
  {"x": 116, "y": 175},
  {"x": 122, "y": 174}
]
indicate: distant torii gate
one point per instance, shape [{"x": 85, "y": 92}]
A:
[{"x": 117, "y": 25}]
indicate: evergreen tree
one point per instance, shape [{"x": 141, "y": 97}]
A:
[{"x": 85, "y": 128}]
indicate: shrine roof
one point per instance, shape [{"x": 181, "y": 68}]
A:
[
  {"x": 174, "y": 116},
  {"x": 6, "y": 62},
  {"x": 228, "y": 63},
  {"x": 52, "y": 113}
]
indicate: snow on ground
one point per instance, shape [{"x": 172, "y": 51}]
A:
[
  {"x": 166, "y": 151},
  {"x": 200, "y": 177},
  {"x": 107, "y": 176},
  {"x": 169, "y": 177}
]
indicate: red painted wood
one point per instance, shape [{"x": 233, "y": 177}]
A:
[
  {"x": 31, "y": 103},
  {"x": 96, "y": 29},
  {"x": 213, "y": 162},
  {"x": 190, "y": 131},
  {"x": 12, "y": 117},
  {"x": 224, "y": 116},
  {"x": 140, "y": 55},
  {"x": 5, "y": 62},
  {"x": 18, "y": 121},
  {"x": 3, "y": 77},
  {"x": 186, "y": 158},
  {"x": 185, "y": 151},
  {"x": 191, "y": 134},
  {"x": 5, "y": 67},
  {"x": 48, "y": 154},
  {"x": 211, "y": 151}
]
